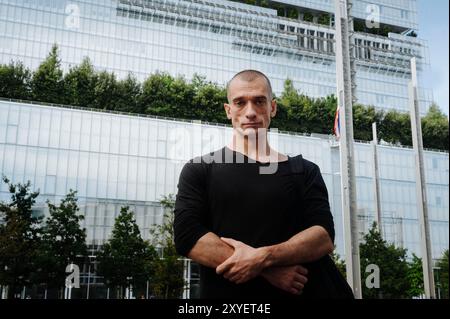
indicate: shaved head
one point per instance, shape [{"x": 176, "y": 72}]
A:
[{"x": 250, "y": 76}]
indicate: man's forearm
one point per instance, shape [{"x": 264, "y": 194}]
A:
[
  {"x": 306, "y": 246},
  {"x": 210, "y": 251}
]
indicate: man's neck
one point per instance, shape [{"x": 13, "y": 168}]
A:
[{"x": 256, "y": 148}]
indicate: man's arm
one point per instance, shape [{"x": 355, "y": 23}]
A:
[
  {"x": 306, "y": 246},
  {"x": 247, "y": 262},
  {"x": 211, "y": 251}
]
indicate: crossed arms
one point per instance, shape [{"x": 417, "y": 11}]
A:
[
  {"x": 238, "y": 262},
  {"x": 278, "y": 264}
]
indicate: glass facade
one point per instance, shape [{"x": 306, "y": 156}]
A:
[
  {"x": 113, "y": 160},
  {"x": 216, "y": 39},
  {"x": 401, "y": 13}
]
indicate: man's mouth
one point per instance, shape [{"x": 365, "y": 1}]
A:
[{"x": 251, "y": 124}]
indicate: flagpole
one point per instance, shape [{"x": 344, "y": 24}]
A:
[
  {"x": 425, "y": 241},
  {"x": 348, "y": 180}
]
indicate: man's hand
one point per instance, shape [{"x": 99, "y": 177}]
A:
[
  {"x": 245, "y": 263},
  {"x": 288, "y": 278}
]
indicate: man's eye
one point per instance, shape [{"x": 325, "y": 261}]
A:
[
  {"x": 259, "y": 102},
  {"x": 240, "y": 103}
]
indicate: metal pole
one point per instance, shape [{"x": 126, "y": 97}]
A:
[
  {"x": 146, "y": 291},
  {"x": 4, "y": 292},
  {"x": 345, "y": 97},
  {"x": 376, "y": 179},
  {"x": 89, "y": 280},
  {"x": 187, "y": 277},
  {"x": 416, "y": 130},
  {"x": 438, "y": 284}
]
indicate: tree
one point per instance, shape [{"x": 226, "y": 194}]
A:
[
  {"x": 290, "y": 108},
  {"x": 79, "y": 84},
  {"x": 318, "y": 114},
  {"x": 391, "y": 262},
  {"x": 63, "y": 241},
  {"x": 281, "y": 120},
  {"x": 19, "y": 237},
  {"x": 308, "y": 16},
  {"x": 105, "y": 91},
  {"x": 168, "y": 280},
  {"x": 340, "y": 264},
  {"x": 363, "y": 117},
  {"x": 415, "y": 277},
  {"x": 443, "y": 275},
  {"x": 395, "y": 128},
  {"x": 435, "y": 129},
  {"x": 325, "y": 19},
  {"x": 15, "y": 81},
  {"x": 126, "y": 259},
  {"x": 128, "y": 95},
  {"x": 164, "y": 95},
  {"x": 208, "y": 101},
  {"x": 47, "y": 82}
]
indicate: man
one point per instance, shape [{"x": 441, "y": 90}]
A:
[{"x": 245, "y": 228}]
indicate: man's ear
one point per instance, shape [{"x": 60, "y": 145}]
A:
[
  {"x": 227, "y": 110},
  {"x": 273, "y": 108}
]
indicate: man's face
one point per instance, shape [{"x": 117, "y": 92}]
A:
[{"x": 250, "y": 106}]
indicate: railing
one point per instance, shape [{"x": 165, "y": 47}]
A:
[{"x": 387, "y": 144}]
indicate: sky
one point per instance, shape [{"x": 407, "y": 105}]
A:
[{"x": 434, "y": 28}]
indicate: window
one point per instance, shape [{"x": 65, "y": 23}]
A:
[
  {"x": 92, "y": 175},
  {"x": 11, "y": 134},
  {"x": 404, "y": 14},
  {"x": 311, "y": 35},
  {"x": 438, "y": 201},
  {"x": 50, "y": 181},
  {"x": 435, "y": 163}
]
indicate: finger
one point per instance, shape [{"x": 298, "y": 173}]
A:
[
  {"x": 298, "y": 285},
  {"x": 223, "y": 267},
  {"x": 228, "y": 275},
  {"x": 301, "y": 279},
  {"x": 302, "y": 270},
  {"x": 230, "y": 241},
  {"x": 234, "y": 278}
]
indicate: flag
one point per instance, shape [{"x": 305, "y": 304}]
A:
[{"x": 337, "y": 126}]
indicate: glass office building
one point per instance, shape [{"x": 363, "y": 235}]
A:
[
  {"x": 218, "y": 38},
  {"x": 114, "y": 160}
]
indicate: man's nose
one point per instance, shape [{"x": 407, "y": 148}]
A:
[{"x": 250, "y": 112}]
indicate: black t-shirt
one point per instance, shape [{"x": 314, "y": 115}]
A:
[{"x": 235, "y": 200}]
